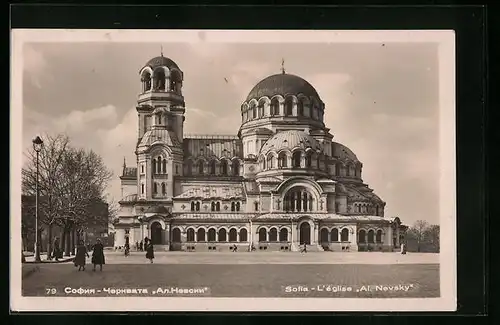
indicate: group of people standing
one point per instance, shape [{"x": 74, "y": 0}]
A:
[{"x": 82, "y": 252}]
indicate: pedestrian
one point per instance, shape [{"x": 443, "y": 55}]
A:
[
  {"x": 234, "y": 248},
  {"x": 304, "y": 248},
  {"x": 127, "y": 249},
  {"x": 150, "y": 255},
  {"x": 141, "y": 246},
  {"x": 98, "y": 255},
  {"x": 136, "y": 245},
  {"x": 403, "y": 249},
  {"x": 55, "y": 249},
  {"x": 80, "y": 257}
]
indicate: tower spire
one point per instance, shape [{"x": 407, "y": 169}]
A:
[
  {"x": 161, "y": 50},
  {"x": 283, "y": 66},
  {"x": 124, "y": 162}
]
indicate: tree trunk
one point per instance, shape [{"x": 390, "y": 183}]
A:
[
  {"x": 49, "y": 242},
  {"x": 73, "y": 241},
  {"x": 67, "y": 234}
]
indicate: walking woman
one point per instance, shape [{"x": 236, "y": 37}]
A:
[
  {"x": 81, "y": 255},
  {"x": 98, "y": 255},
  {"x": 150, "y": 255}
]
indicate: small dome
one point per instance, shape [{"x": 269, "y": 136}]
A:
[
  {"x": 161, "y": 61},
  {"x": 282, "y": 84},
  {"x": 343, "y": 153},
  {"x": 289, "y": 140},
  {"x": 157, "y": 209}
]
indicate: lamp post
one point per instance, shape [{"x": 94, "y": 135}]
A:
[
  {"x": 142, "y": 228},
  {"x": 37, "y": 146}
]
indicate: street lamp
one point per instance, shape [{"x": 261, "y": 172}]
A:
[
  {"x": 142, "y": 228},
  {"x": 37, "y": 146}
]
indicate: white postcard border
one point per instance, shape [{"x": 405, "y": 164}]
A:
[{"x": 446, "y": 302}]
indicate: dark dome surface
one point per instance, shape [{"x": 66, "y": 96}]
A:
[
  {"x": 161, "y": 61},
  {"x": 282, "y": 84}
]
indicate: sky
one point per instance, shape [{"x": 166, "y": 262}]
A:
[{"x": 382, "y": 101}]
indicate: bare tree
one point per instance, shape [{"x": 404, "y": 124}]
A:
[
  {"x": 83, "y": 182},
  {"x": 72, "y": 183},
  {"x": 432, "y": 236},
  {"x": 50, "y": 171},
  {"x": 417, "y": 232}
]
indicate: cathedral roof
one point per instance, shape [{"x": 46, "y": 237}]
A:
[
  {"x": 343, "y": 153},
  {"x": 223, "y": 192},
  {"x": 209, "y": 146},
  {"x": 161, "y": 61},
  {"x": 164, "y": 136},
  {"x": 282, "y": 84},
  {"x": 290, "y": 139}
]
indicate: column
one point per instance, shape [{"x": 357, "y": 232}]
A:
[
  {"x": 152, "y": 83},
  {"x": 315, "y": 237},
  {"x": 168, "y": 85},
  {"x": 302, "y": 160},
  {"x": 398, "y": 244}
]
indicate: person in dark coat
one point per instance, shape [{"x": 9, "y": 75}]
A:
[
  {"x": 55, "y": 249},
  {"x": 80, "y": 257},
  {"x": 98, "y": 254},
  {"x": 141, "y": 246},
  {"x": 150, "y": 255}
]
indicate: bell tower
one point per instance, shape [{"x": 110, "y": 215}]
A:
[{"x": 160, "y": 109}]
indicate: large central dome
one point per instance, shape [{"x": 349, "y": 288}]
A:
[{"x": 282, "y": 84}]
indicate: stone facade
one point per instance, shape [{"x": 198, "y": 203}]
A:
[{"x": 280, "y": 182}]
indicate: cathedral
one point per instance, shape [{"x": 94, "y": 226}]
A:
[{"x": 281, "y": 182}]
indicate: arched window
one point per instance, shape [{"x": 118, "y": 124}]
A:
[
  {"x": 273, "y": 235},
  {"x": 323, "y": 234},
  {"x": 376, "y": 210},
  {"x": 211, "y": 234},
  {"x": 190, "y": 235},
  {"x": 164, "y": 162},
  {"x": 334, "y": 235},
  {"x": 284, "y": 235},
  {"x": 282, "y": 160},
  {"x": 275, "y": 106},
  {"x": 348, "y": 170},
  {"x": 223, "y": 167},
  {"x": 237, "y": 206},
  {"x": 296, "y": 158},
  {"x": 270, "y": 161},
  {"x": 153, "y": 166},
  {"x": 243, "y": 235},
  {"x": 176, "y": 235},
  {"x": 261, "y": 108},
  {"x": 371, "y": 236},
  {"x": 298, "y": 199},
  {"x": 308, "y": 160},
  {"x": 362, "y": 236},
  {"x": 197, "y": 206},
  {"x": 142, "y": 188},
  {"x": 212, "y": 167},
  {"x": 155, "y": 188},
  {"x": 200, "y": 235},
  {"x": 236, "y": 168},
  {"x": 222, "y": 235},
  {"x": 200, "y": 167},
  {"x": 163, "y": 189},
  {"x": 233, "y": 206},
  {"x": 262, "y": 234},
  {"x": 254, "y": 111},
  {"x": 300, "y": 107},
  {"x": 289, "y": 106},
  {"x": 379, "y": 236},
  {"x": 344, "y": 235},
  {"x": 158, "y": 166},
  {"x": 337, "y": 169},
  {"x": 192, "y": 206},
  {"x": 233, "y": 235},
  {"x": 213, "y": 206},
  {"x": 256, "y": 206},
  {"x": 217, "y": 206}
]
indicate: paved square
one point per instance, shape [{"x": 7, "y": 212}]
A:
[{"x": 358, "y": 275}]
